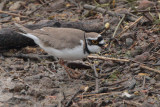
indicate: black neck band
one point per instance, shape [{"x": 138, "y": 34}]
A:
[{"x": 85, "y": 45}]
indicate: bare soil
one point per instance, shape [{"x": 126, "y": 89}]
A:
[{"x": 127, "y": 70}]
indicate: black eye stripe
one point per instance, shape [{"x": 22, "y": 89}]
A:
[
  {"x": 95, "y": 41},
  {"x": 99, "y": 39}
]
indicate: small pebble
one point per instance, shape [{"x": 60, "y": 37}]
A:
[
  {"x": 131, "y": 84},
  {"x": 129, "y": 41},
  {"x": 152, "y": 81}
]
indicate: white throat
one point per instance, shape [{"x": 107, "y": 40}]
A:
[{"x": 94, "y": 48}]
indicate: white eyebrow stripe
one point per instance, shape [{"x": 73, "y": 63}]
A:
[
  {"x": 99, "y": 35},
  {"x": 92, "y": 38},
  {"x": 95, "y": 37}
]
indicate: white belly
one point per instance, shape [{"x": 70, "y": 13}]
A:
[{"x": 67, "y": 54}]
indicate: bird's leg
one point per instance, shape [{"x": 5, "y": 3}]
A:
[{"x": 72, "y": 73}]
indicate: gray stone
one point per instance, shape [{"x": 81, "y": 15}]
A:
[{"x": 129, "y": 41}]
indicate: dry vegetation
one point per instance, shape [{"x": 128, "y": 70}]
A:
[{"x": 125, "y": 74}]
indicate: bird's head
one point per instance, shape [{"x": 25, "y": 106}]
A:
[{"x": 95, "y": 44}]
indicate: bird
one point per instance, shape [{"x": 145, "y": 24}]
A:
[{"x": 64, "y": 43}]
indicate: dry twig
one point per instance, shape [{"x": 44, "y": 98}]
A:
[
  {"x": 133, "y": 103},
  {"x": 12, "y": 14},
  {"x": 101, "y": 94},
  {"x": 124, "y": 60},
  {"x": 118, "y": 82},
  {"x": 70, "y": 101},
  {"x": 150, "y": 69},
  {"x": 130, "y": 26},
  {"x": 118, "y": 25},
  {"x": 1, "y": 69},
  {"x": 43, "y": 4},
  {"x": 98, "y": 9},
  {"x": 152, "y": 10},
  {"x": 106, "y": 58},
  {"x": 97, "y": 80}
]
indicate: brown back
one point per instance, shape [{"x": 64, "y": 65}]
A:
[{"x": 59, "y": 38}]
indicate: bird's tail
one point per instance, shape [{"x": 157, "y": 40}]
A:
[
  {"x": 22, "y": 29},
  {"x": 26, "y": 32}
]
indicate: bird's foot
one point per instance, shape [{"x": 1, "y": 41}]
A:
[{"x": 71, "y": 72}]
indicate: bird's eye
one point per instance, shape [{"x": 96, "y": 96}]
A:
[{"x": 95, "y": 42}]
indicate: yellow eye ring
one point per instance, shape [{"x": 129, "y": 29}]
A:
[{"x": 95, "y": 42}]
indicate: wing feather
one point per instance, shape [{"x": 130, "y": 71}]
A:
[{"x": 59, "y": 38}]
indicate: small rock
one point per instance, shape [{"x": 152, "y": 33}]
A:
[
  {"x": 16, "y": 5},
  {"x": 129, "y": 41},
  {"x": 136, "y": 51},
  {"x": 109, "y": 63},
  {"x": 148, "y": 78},
  {"x": 127, "y": 35},
  {"x": 152, "y": 81},
  {"x": 58, "y": 4},
  {"x": 130, "y": 84},
  {"x": 143, "y": 57}
]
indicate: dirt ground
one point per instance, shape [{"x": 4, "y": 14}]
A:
[{"x": 125, "y": 74}]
